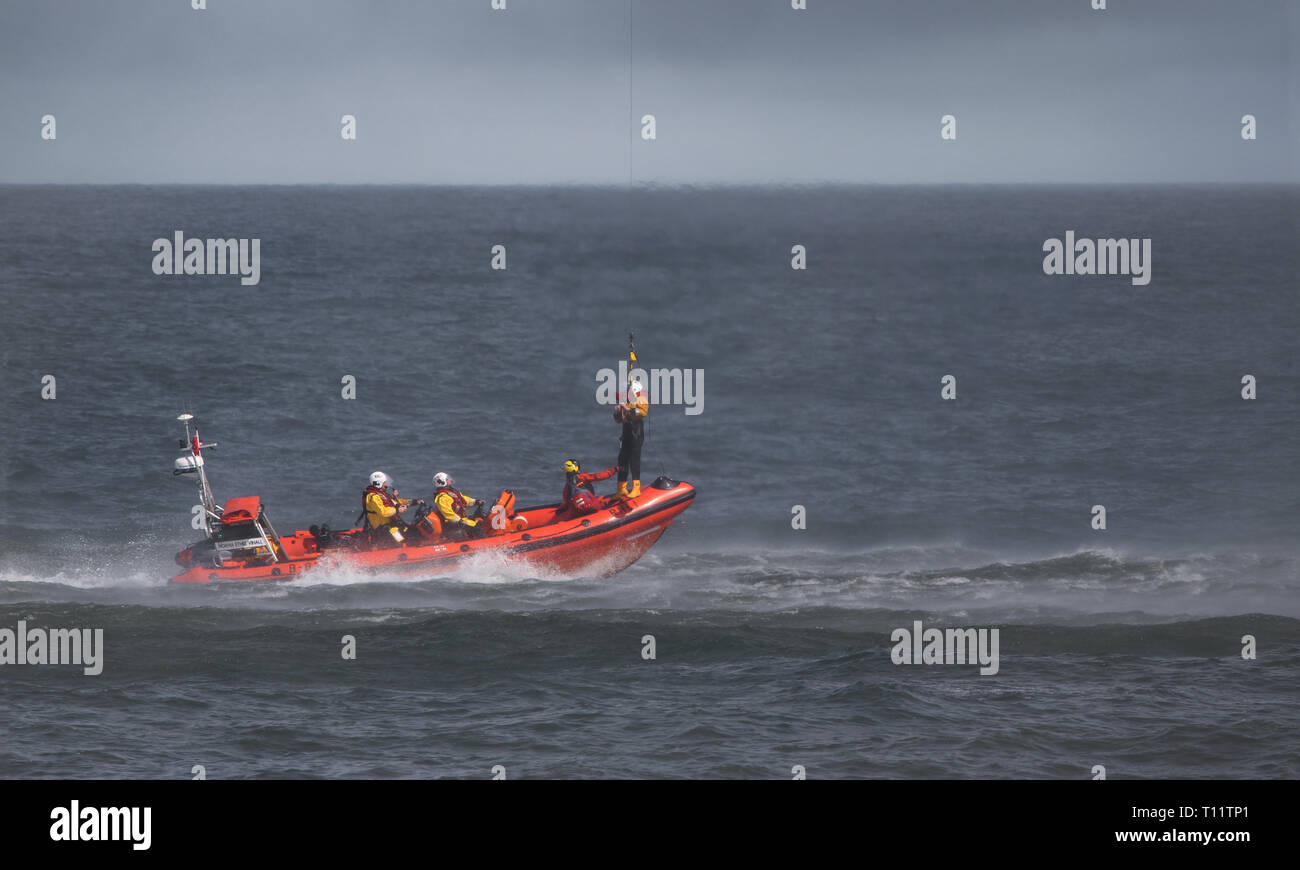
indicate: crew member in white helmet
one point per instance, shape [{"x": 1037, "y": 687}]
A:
[
  {"x": 458, "y": 511},
  {"x": 382, "y": 508},
  {"x": 631, "y": 414}
]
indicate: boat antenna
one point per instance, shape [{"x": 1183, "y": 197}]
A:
[
  {"x": 193, "y": 464},
  {"x": 631, "y": 364}
]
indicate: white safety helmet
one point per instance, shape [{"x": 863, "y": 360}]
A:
[
  {"x": 636, "y": 388},
  {"x": 379, "y": 480},
  {"x": 442, "y": 479}
]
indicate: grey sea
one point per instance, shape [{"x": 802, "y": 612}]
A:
[{"x": 819, "y": 406}]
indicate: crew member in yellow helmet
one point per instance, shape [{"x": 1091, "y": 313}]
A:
[{"x": 579, "y": 494}]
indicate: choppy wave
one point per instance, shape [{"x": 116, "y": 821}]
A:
[
  {"x": 567, "y": 693},
  {"x": 1089, "y": 585}
]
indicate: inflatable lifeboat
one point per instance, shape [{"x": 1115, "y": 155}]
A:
[{"x": 242, "y": 545}]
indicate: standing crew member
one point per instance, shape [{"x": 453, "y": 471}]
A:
[
  {"x": 454, "y": 507},
  {"x": 579, "y": 495},
  {"x": 382, "y": 508},
  {"x": 631, "y": 414}
]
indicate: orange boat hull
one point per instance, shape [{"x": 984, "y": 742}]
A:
[{"x": 602, "y": 543}]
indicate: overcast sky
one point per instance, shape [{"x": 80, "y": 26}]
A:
[{"x": 551, "y": 91}]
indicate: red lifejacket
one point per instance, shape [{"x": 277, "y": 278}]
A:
[
  {"x": 580, "y": 495},
  {"x": 584, "y": 502},
  {"x": 575, "y": 485},
  {"x": 387, "y": 499},
  {"x": 458, "y": 503}
]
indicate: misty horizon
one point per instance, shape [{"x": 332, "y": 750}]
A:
[{"x": 742, "y": 93}]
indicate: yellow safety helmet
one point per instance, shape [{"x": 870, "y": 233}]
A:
[{"x": 571, "y": 466}]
